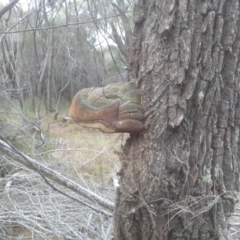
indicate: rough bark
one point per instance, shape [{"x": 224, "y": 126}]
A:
[{"x": 179, "y": 175}]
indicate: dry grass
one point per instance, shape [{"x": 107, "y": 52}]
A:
[
  {"x": 68, "y": 146},
  {"x": 84, "y": 151},
  {"x": 30, "y": 209},
  {"x": 33, "y": 209}
]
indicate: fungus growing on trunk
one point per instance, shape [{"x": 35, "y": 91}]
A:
[{"x": 113, "y": 108}]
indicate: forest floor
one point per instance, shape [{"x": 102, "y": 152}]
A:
[
  {"x": 84, "y": 156},
  {"x": 84, "y": 151}
]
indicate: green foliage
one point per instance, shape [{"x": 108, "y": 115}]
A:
[{"x": 29, "y": 40}]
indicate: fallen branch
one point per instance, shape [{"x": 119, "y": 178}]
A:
[
  {"x": 234, "y": 224},
  {"x": 12, "y": 152}
]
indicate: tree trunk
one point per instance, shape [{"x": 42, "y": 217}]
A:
[{"x": 179, "y": 175}]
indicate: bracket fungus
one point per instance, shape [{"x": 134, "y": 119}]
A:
[{"x": 113, "y": 108}]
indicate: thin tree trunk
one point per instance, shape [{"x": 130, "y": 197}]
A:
[
  {"x": 8, "y": 7},
  {"x": 179, "y": 175},
  {"x": 49, "y": 92}
]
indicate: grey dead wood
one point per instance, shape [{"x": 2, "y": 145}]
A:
[
  {"x": 48, "y": 173},
  {"x": 8, "y": 7}
]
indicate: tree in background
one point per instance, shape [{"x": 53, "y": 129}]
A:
[
  {"x": 51, "y": 49},
  {"x": 179, "y": 175}
]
